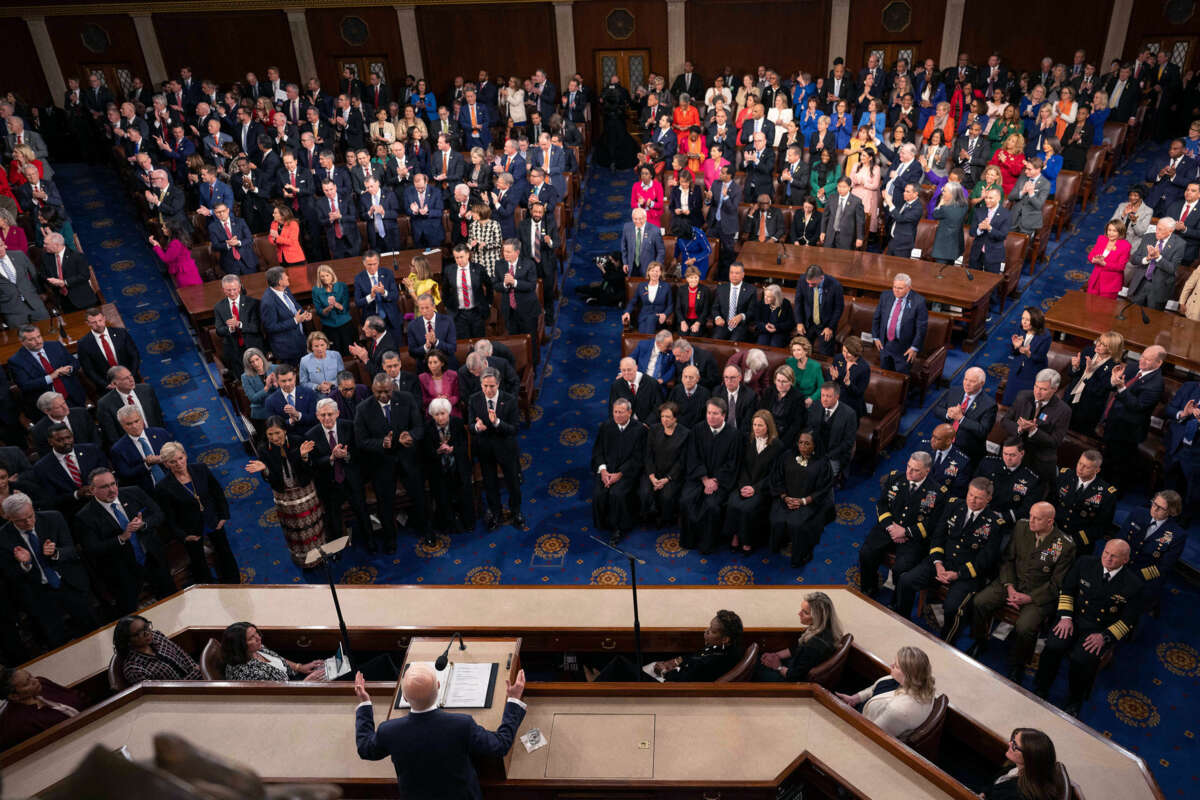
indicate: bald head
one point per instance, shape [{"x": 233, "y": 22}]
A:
[
  {"x": 1041, "y": 518},
  {"x": 1152, "y": 358},
  {"x": 1116, "y": 554},
  {"x": 942, "y": 436},
  {"x": 420, "y": 686}
]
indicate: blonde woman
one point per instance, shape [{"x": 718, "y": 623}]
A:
[
  {"x": 748, "y": 502},
  {"x": 901, "y": 700},
  {"x": 818, "y": 642},
  {"x": 420, "y": 280},
  {"x": 331, "y": 300}
]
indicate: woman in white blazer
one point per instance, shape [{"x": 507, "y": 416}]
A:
[{"x": 901, "y": 701}]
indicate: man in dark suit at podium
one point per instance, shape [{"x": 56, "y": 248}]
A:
[{"x": 431, "y": 749}]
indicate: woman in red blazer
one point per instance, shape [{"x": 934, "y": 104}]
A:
[
  {"x": 33, "y": 705},
  {"x": 285, "y": 235},
  {"x": 1109, "y": 256}
]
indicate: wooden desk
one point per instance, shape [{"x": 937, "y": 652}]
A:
[
  {"x": 872, "y": 273},
  {"x": 198, "y": 301},
  {"x": 1086, "y": 316},
  {"x": 73, "y": 324},
  {"x": 504, "y": 651}
]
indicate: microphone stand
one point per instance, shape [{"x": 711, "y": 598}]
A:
[
  {"x": 637, "y": 623},
  {"x": 327, "y": 557}
]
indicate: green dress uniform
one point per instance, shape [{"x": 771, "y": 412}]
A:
[
  {"x": 917, "y": 509},
  {"x": 1085, "y": 512},
  {"x": 1014, "y": 490}
]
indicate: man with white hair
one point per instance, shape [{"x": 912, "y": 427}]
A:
[
  {"x": 37, "y": 192},
  {"x": 1040, "y": 420},
  {"x": 907, "y": 171},
  {"x": 17, "y": 135},
  {"x": 448, "y": 465},
  {"x": 971, "y": 411},
  {"x": 66, "y": 275},
  {"x": 56, "y": 409},
  {"x": 165, "y": 200},
  {"x": 431, "y": 749},
  {"x": 641, "y": 244},
  {"x": 335, "y": 459},
  {"x": 1155, "y": 260},
  {"x": 126, "y": 391},
  {"x": 899, "y": 324},
  {"x": 617, "y": 459},
  {"x": 135, "y": 456},
  {"x": 1125, "y": 421},
  {"x": 20, "y": 302},
  {"x": 459, "y": 209},
  {"x": 641, "y": 391}
]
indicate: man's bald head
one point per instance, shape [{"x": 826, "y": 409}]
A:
[
  {"x": 1041, "y": 517},
  {"x": 942, "y": 437},
  {"x": 420, "y": 686},
  {"x": 1115, "y": 554}
]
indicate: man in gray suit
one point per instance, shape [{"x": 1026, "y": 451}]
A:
[
  {"x": 641, "y": 243},
  {"x": 19, "y": 300},
  {"x": 844, "y": 220},
  {"x": 1155, "y": 261},
  {"x": 1028, "y": 196},
  {"x": 17, "y": 135}
]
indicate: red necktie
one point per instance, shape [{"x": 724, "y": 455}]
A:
[
  {"x": 512, "y": 295},
  {"x": 466, "y": 290},
  {"x": 73, "y": 469},
  {"x": 337, "y": 224},
  {"x": 462, "y": 215},
  {"x": 108, "y": 351},
  {"x": 129, "y": 400},
  {"x": 893, "y": 320},
  {"x": 235, "y": 252},
  {"x": 234, "y": 307},
  {"x": 966, "y": 403},
  {"x": 296, "y": 201},
  {"x": 1112, "y": 398},
  {"x": 58, "y": 258},
  {"x": 1187, "y": 209},
  {"x": 59, "y": 386},
  {"x": 428, "y": 326},
  {"x": 376, "y": 96}
]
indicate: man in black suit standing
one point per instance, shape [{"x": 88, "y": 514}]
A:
[
  {"x": 493, "y": 422},
  {"x": 518, "y": 289},
  {"x": 387, "y": 427},
  {"x": 539, "y": 243},
  {"x": 106, "y": 348},
  {"x": 56, "y": 410},
  {"x": 63, "y": 472},
  {"x": 617, "y": 463},
  {"x": 1187, "y": 221},
  {"x": 1136, "y": 390},
  {"x": 339, "y": 221},
  {"x": 957, "y": 74},
  {"x": 1040, "y": 419},
  {"x": 758, "y": 160},
  {"x": 1123, "y": 96},
  {"x": 905, "y": 217},
  {"x": 723, "y": 198},
  {"x": 899, "y": 324},
  {"x": 335, "y": 458},
  {"x": 119, "y": 527},
  {"x": 237, "y": 322},
  {"x": 971, "y": 412},
  {"x": 431, "y": 749},
  {"x": 689, "y": 83},
  {"x": 970, "y": 153},
  {"x": 834, "y": 425},
  {"x": 732, "y": 307},
  {"x": 818, "y": 306},
  {"x": 467, "y": 293},
  {"x": 126, "y": 391},
  {"x": 845, "y": 219},
  {"x": 66, "y": 275},
  {"x": 40, "y": 559}
]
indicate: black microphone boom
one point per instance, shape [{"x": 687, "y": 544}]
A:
[
  {"x": 1121, "y": 313},
  {"x": 444, "y": 658}
]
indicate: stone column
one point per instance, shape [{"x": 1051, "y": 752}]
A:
[
  {"x": 298, "y": 24},
  {"x": 148, "y": 39},
  {"x": 676, "y": 37},
  {"x": 564, "y": 30},
  {"x": 411, "y": 40},
  {"x": 1118, "y": 30},
  {"x": 44, "y": 46},
  {"x": 951, "y": 33},
  {"x": 839, "y": 32}
]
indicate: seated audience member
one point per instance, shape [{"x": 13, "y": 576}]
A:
[
  {"x": 901, "y": 700},
  {"x": 686, "y": 355},
  {"x": 834, "y": 426},
  {"x": 1084, "y": 503},
  {"x": 144, "y": 654},
  {"x": 1016, "y": 487},
  {"x": 732, "y": 306},
  {"x": 1089, "y": 381},
  {"x": 499, "y": 357},
  {"x": 745, "y": 511},
  {"x": 951, "y": 467},
  {"x": 852, "y": 374},
  {"x": 66, "y": 275},
  {"x": 643, "y": 393},
  {"x": 899, "y": 324},
  {"x": 741, "y": 400},
  {"x": 651, "y": 303},
  {"x": 54, "y": 406},
  {"x": 20, "y": 303},
  {"x": 721, "y": 653},
  {"x": 713, "y": 461},
  {"x": 689, "y": 396},
  {"x": 818, "y": 642},
  {"x": 970, "y": 411},
  {"x": 617, "y": 460},
  {"x": 964, "y": 547},
  {"x": 693, "y": 303},
  {"x": 774, "y": 319},
  {"x": 246, "y": 659},
  {"x": 908, "y": 508},
  {"x": 1156, "y": 538},
  {"x": 1034, "y": 772},
  {"x": 1032, "y": 571},
  {"x": 320, "y": 367},
  {"x": 667, "y": 442},
  {"x": 802, "y": 485},
  {"x": 1040, "y": 419},
  {"x": 33, "y": 705},
  {"x": 654, "y": 358},
  {"x": 196, "y": 509},
  {"x": 1098, "y": 605}
]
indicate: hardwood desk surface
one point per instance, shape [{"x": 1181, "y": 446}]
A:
[
  {"x": 1087, "y": 316},
  {"x": 199, "y": 300},
  {"x": 74, "y": 323},
  {"x": 1102, "y": 768},
  {"x": 505, "y": 652}
]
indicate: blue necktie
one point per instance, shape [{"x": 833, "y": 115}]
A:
[
  {"x": 139, "y": 555},
  {"x": 156, "y": 473},
  {"x": 52, "y": 577},
  {"x": 287, "y": 300},
  {"x": 387, "y": 412}
]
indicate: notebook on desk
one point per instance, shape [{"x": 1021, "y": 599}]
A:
[{"x": 460, "y": 685}]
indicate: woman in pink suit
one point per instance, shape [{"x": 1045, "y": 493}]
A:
[
  {"x": 1109, "y": 256},
  {"x": 648, "y": 194},
  {"x": 439, "y": 382},
  {"x": 178, "y": 256}
]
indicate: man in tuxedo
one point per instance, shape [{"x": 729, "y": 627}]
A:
[
  {"x": 335, "y": 458},
  {"x": 834, "y": 426},
  {"x": 1187, "y": 221},
  {"x": 1125, "y": 422},
  {"x": 381, "y": 208},
  {"x": 617, "y": 463},
  {"x": 105, "y": 348},
  {"x": 970, "y": 411},
  {"x": 714, "y": 457},
  {"x": 1168, "y": 176},
  {"x": 990, "y": 227},
  {"x": 764, "y": 223},
  {"x": 41, "y": 560},
  {"x": 740, "y": 400},
  {"x": 1040, "y": 420},
  {"x": 126, "y": 391},
  {"x": 723, "y": 198},
  {"x": 432, "y": 749},
  {"x": 377, "y": 340},
  {"x": 539, "y": 244},
  {"x": 232, "y": 242},
  {"x": 733, "y": 307},
  {"x": 686, "y": 355},
  {"x": 429, "y": 331},
  {"x": 643, "y": 393},
  {"x": 1029, "y": 194},
  {"x": 282, "y": 318},
  {"x": 818, "y": 306},
  {"x": 237, "y": 321},
  {"x": 292, "y": 401},
  {"x": 338, "y": 221},
  {"x": 120, "y": 529},
  {"x": 39, "y": 366},
  {"x": 845, "y": 219},
  {"x": 899, "y": 324},
  {"x": 1155, "y": 261},
  {"x": 905, "y": 217},
  {"x": 424, "y": 207},
  {"x": 493, "y": 421},
  {"x": 62, "y": 473},
  {"x": 387, "y": 427},
  {"x": 135, "y": 456},
  {"x": 970, "y": 153},
  {"x": 55, "y": 410},
  {"x": 467, "y": 293}
]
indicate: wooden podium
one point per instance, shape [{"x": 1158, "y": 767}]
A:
[{"x": 505, "y": 651}]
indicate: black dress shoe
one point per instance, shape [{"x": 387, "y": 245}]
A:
[
  {"x": 490, "y": 522},
  {"x": 518, "y": 520},
  {"x": 390, "y": 546},
  {"x": 429, "y": 541}
]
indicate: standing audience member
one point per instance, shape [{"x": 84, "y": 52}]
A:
[{"x": 196, "y": 509}]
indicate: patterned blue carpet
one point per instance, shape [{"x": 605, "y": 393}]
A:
[{"x": 1145, "y": 700}]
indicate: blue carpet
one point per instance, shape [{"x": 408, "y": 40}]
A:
[{"x": 1155, "y": 719}]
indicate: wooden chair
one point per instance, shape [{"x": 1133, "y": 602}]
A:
[
  {"x": 1038, "y": 249},
  {"x": 206, "y": 265},
  {"x": 744, "y": 668},
  {"x": 1091, "y": 174},
  {"x": 926, "y": 233},
  {"x": 828, "y": 674},
  {"x": 1016, "y": 245},
  {"x": 212, "y": 665},
  {"x": 1114, "y": 137},
  {"x": 267, "y": 255},
  {"x": 926, "y": 738},
  {"x": 1065, "y": 193}
]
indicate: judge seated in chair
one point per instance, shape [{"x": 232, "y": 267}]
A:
[{"x": 721, "y": 653}]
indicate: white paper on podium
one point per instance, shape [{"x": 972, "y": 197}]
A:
[{"x": 468, "y": 685}]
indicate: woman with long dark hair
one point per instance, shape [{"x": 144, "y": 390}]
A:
[
  {"x": 1031, "y": 772},
  {"x": 284, "y": 464}
]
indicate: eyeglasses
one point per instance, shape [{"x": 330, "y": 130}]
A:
[
  {"x": 1012, "y": 743},
  {"x": 1158, "y": 506},
  {"x": 149, "y": 626}
]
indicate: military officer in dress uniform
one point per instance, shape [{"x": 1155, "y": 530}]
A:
[
  {"x": 1098, "y": 606},
  {"x": 1015, "y": 487},
  {"x": 1084, "y": 502},
  {"x": 1156, "y": 539},
  {"x": 1034, "y": 566},
  {"x": 965, "y": 547},
  {"x": 909, "y": 506},
  {"x": 951, "y": 466}
]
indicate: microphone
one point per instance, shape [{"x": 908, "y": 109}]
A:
[
  {"x": 942, "y": 269},
  {"x": 444, "y": 658},
  {"x": 970, "y": 277},
  {"x": 1121, "y": 313}
]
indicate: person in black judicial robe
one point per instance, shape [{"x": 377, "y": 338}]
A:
[
  {"x": 52, "y": 583},
  {"x": 713, "y": 461},
  {"x": 643, "y": 392},
  {"x": 802, "y": 485},
  {"x": 667, "y": 445},
  {"x": 745, "y": 512},
  {"x": 689, "y": 397},
  {"x": 788, "y": 410},
  {"x": 617, "y": 460},
  {"x": 128, "y": 555},
  {"x": 448, "y": 465},
  {"x": 493, "y": 422},
  {"x": 387, "y": 427},
  {"x": 616, "y": 148},
  {"x": 973, "y": 423},
  {"x": 834, "y": 427},
  {"x": 94, "y": 361},
  {"x": 337, "y": 476}
]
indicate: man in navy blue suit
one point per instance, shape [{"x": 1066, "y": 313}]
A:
[
  {"x": 431, "y": 749},
  {"x": 1168, "y": 176},
  {"x": 723, "y": 196},
  {"x": 282, "y": 318},
  {"x": 232, "y": 241},
  {"x": 990, "y": 229},
  {"x": 295, "y": 403},
  {"x": 211, "y": 192},
  {"x": 424, "y": 207},
  {"x": 1182, "y": 445},
  {"x": 376, "y": 293},
  {"x": 907, "y": 171},
  {"x": 905, "y": 217},
  {"x": 475, "y": 119},
  {"x": 642, "y": 243},
  {"x": 334, "y": 210},
  {"x": 380, "y": 208},
  {"x": 504, "y": 204},
  {"x": 40, "y": 366},
  {"x": 899, "y": 325},
  {"x": 430, "y": 331},
  {"x": 135, "y": 455},
  {"x": 661, "y": 349},
  {"x": 63, "y": 472},
  {"x": 818, "y": 306}
]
